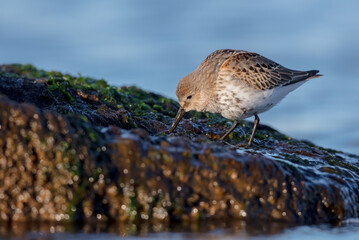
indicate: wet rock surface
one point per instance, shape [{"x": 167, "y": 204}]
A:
[{"x": 75, "y": 148}]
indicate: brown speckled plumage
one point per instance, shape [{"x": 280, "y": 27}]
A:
[
  {"x": 237, "y": 84},
  {"x": 260, "y": 72}
]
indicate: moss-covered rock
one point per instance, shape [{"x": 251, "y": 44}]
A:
[{"x": 76, "y": 148}]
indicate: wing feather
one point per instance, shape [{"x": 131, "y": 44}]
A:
[{"x": 262, "y": 73}]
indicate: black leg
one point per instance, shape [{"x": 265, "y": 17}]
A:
[
  {"x": 229, "y": 131},
  {"x": 256, "y": 122}
]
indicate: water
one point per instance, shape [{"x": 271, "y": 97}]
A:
[
  {"x": 153, "y": 44},
  {"x": 204, "y": 230}
]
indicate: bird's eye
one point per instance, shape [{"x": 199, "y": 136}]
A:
[{"x": 189, "y": 97}]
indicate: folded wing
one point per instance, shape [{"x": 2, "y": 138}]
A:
[{"x": 262, "y": 73}]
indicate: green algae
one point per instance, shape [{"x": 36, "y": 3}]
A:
[
  {"x": 95, "y": 99},
  {"x": 145, "y": 104},
  {"x": 26, "y": 70},
  {"x": 262, "y": 135},
  {"x": 137, "y": 101},
  {"x": 59, "y": 89},
  {"x": 238, "y": 137},
  {"x": 335, "y": 160}
]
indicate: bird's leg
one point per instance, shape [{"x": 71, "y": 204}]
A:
[
  {"x": 256, "y": 122},
  {"x": 229, "y": 131}
]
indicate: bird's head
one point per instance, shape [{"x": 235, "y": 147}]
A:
[{"x": 192, "y": 94}]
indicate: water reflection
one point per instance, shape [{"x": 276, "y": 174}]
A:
[
  {"x": 144, "y": 229},
  {"x": 234, "y": 229}
]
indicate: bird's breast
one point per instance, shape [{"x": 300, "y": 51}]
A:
[{"x": 239, "y": 101}]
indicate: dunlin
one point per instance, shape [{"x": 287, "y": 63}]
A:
[{"x": 237, "y": 84}]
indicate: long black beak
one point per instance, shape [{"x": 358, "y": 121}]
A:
[{"x": 177, "y": 119}]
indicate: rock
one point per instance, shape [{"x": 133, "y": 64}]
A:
[{"x": 75, "y": 148}]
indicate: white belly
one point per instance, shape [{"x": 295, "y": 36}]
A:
[{"x": 238, "y": 102}]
